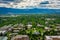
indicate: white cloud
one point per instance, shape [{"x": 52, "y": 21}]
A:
[{"x": 28, "y": 4}]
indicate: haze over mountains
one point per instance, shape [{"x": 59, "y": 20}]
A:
[{"x": 28, "y": 11}]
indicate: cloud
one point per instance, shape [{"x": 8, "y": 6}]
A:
[
  {"x": 8, "y": 0},
  {"x": 17, "y": 4},
  {"x": 23, "y": 4}
]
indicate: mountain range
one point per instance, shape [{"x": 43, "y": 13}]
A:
[{"x": 4, "y": 10}]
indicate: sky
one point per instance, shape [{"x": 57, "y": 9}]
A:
[{"x": 27, "y": 4}]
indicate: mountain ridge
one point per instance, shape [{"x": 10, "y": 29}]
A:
[{"x": 4, "y": 10}]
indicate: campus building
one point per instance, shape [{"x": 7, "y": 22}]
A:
[
  {"x": 20, "y": 37},
  {"x": 52, "y": 37}
]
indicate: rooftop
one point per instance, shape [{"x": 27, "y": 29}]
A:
[
  {"x": 20, "y": 37},
  {"x": 52, "y": 37},
  {"x": 3, "y": 38}
]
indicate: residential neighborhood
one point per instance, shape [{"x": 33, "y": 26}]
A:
[{"x": 30, "y": 27}]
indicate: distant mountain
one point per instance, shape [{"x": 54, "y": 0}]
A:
[{"x": 30, "y": 11}]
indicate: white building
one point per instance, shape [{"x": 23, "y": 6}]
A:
[
  {"x": 3, "y": 32},
  {"x": 39, "y": 25},
  {"x": 52, "y": 37},
  {"x": 20, "y": 37},
  {"x": 29, "y": 25},
  {"x": 3, "y": 38}
]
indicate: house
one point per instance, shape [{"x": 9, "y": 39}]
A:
[
  {"x": 58, "y": 26},
  {"x": 3, "y": 32},
  {"x": 39, "y": 25},
  {"x": 15, "y": 25},
  {"x": 47, "y": 28},
  {"x": 52, "y": 37},
  {"x": 16, "y": 30},
  {"x": 50, "y": 19},
  {"x": 46, "y": 22},
  {"x": 13, "y": 34},
  {"x": 6, "y": 27},
  {"x": 10, "y": 29},
  {"x": 21, "y": 25},
  {"x": 20, "y": 37},
  {"x": 29, "y": 26},
  {"x": 35, "y": 32}
]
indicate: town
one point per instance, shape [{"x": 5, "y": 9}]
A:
[{"x": 30, "y": 27}]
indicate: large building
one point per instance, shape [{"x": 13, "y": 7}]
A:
[
  {"x": 20, "y": 37},
  {"x": 52, "y": 38},
  {"x": 3, "y": 38}
]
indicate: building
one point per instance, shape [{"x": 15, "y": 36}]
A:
[
  {"x": 15, "y": 25},
  {"x": 3, "y": 32},
  {"x": 39, "y": 25},
  {"x": 21, "y": 25},
  {"x": 20, "y": 37},
  {"x": 3, "y": 38},
  {"x": 16, "y": 30},
  {"x": 29, "y": 26},
  {"x": 50, "y": 19},
  {"x": 35, "y": 31},
  {"x": 6, "y": 27},
  {"x": 13, "y": 34},
  {"x": 57, "y": 27},
  {"x": 52, "y": 37}
]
